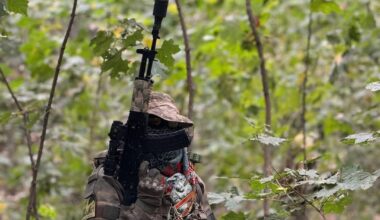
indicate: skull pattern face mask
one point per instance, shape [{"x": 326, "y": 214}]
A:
[{"x": 168, "y": 163}]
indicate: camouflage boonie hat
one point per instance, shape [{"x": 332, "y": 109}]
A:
[{"x": 163, "y": 106}]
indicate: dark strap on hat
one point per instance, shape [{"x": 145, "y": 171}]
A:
[{"x": 161, "y": 143}]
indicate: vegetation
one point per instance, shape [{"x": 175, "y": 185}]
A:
[{"x": 283, "y": 95}]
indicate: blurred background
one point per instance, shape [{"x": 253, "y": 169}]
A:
[{"x": 345, "y": 56}]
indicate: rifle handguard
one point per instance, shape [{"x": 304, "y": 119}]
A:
[{"x": 141, "y": 95}]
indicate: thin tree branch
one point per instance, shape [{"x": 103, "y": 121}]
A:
[
  {"x": 25, "y": 119},
  {"x": 33, "y": 187},
  {"x": 304, "y": 87},
  {"x": 302, "y": 196},
  {"x": 18, "y": 105},
  {"x": 307, "y": 62},
  {"x": 190, "y": 83},
  {"x": 263, "y": 70},
  {"x": 94, "y": 116},
  {"x": 264, "y": 79}
]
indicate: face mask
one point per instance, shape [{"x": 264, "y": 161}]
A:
[{"x": 168, "y": 163}]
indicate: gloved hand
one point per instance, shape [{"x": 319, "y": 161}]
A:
[{"x": 151, "y": 188}]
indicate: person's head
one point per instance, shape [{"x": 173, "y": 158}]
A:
[
  {"x": 164, "y": 113},
  {"x": 164, "y": 117}
]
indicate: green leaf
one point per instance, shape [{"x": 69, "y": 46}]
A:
[
  {"x": 267, "y": 179},
  {"x": 215, "y": 198},
  {"x": 355, "y": 178},
  {"x": 257, "y": 185},
  {"x": 166, "y": 52},
  {"x": 15, "y": 84},
  {"x": 42, "y": 72},
  {"x": 234, "y": 216},
  {"x": 5, "y": 117},
  {"x": 18, "y": 6},
  {"x": 308, "y": 173},
  {"x": 337, "y": 205},
  {"x": 3, "y": 32},
  {"x": 101, "y": 42},
  {"x": 6, "y": 70},
  {"x": 47, "y": 211},
  {"x": 37, "y": 51},
  {"x": 359, "y": 138},
  {"x": 354, "y": 33},
  {"x": 350, "y": 178},
  {"x": 374, "y": 87},
  {"x": 231, "y": 200},
  {"x": 325, "y": 6},
  {"x": 132, "y": 39},
  {"x": 3, "y": 10},
  {"x": 369, "y": 20},
  {"x": 268, "y": 140},
  {"x": 257, "y": 6},
  {"x": 34, "y": 117},
  {"x": 333, "y": 38},
  {"x": 115, "y": 64}
]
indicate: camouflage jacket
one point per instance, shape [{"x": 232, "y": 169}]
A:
[{"x": 104, "y": 194}]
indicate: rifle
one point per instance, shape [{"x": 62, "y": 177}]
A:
[{"x": 132, "y": 138}]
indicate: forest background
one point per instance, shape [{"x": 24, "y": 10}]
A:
[{"x": 321, "y": 66}]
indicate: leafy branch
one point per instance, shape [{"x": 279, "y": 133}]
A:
[
  {"x": 33, "y": 187},
  {"x": 114, "y": 46},
  {"x": 300, "y": 194},
  {"x": 326, "y": 188},
  {"x": 329, "y": 192},
  {"x": 26, "y": 128}
]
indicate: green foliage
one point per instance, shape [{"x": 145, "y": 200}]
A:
[
  {"x": 231, "y": 199},
  {"x": 165, "y": 53},
  {"x": 354, "y": 33},
  {"x": 47, "y": 211},
  {"x": 3, "y": 11},
  {"x": 112, "y": 46},
  {"x": 114, "y": 63},
  {"x": 234, "y": 216},
  {"x": 37, "y": 50},
  {"x": 102, "y": 42},
  {"x": 268, "y": 140},
  {"x": 330, "y": 191},
  {"x": 360, "y": 138},
  {"x": 16, "y": 6},
  {"x": 349, "y": 178},
  {"x": 374, "y": 87},
  {"x": 5, "y": 117},
  {"x": 337, "y": 205},
  {"x": 325, "y": 6},
  {"x": 133, "y": 38},
  {"x": 340, "y": 111}
]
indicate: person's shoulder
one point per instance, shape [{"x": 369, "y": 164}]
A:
[{"x": 99, "y": 158}]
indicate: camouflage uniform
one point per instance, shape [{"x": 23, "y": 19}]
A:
[{"x": 104, "y": 193}]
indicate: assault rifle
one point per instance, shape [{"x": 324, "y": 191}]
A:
[{"x": 130, "y": 143}]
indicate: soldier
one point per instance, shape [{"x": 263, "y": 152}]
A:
[{"x": 169, "y": 190}]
